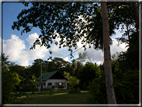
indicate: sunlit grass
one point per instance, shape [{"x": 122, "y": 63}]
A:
[
  {"x": 60, "y": 93},
  {"x": 84, "y": 91}
]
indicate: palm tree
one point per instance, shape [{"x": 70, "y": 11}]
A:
[
  {"x": 4, "y": 62},
  {"x": 107, "y": 59}
]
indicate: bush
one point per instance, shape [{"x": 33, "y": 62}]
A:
[
  {"x": 126, "y": 88},
  {"x": 51, "y": 89},
  {"x": 97, "y": 91},
  {"x": 9, "y": 82},
  {"x": 72, "y": 83},
  {"x": 87, "y": 74}
]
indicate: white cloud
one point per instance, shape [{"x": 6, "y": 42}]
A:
[
  {"x": 17, "y": 51},
  {"x": 117, "y": 48},
  {"x": 31, "y": 39},
  {"x": 97, "y": 55},
  {"x": 56, "y": 51},
  {"x": 13, "y": 47},
  {"x": 66, "y": 59}
]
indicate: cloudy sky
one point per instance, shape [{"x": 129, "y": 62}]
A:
[{"x": 17, "y": 46}]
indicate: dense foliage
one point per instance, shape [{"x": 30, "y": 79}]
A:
[
  {"x": 9, "y": 81},
  {"x": 87, "y": 74},
  {"x": 72, "y": 82},
  {"x": 97, "y": 89},
  {"x": 126, "y": 82},
  {"x": 127, "y": 87},
  {"x": 71, "y": 20}
]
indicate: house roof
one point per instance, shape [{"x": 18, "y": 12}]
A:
[{"x": 46, "y": 75}]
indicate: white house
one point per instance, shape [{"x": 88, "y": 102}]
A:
[{"x": 50, "y": 79}]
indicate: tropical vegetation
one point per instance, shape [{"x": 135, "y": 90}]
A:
[{"x": 119, "y": 72}]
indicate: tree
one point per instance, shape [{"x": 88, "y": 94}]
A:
[
  {"x": 73, "y": 81},
  {"x": 87, "y": 74},
  {"x": 128, "y": 12},
  {"x": 63, "y": 18},
  {"x": 130, "y": 36},
  {"x": 33, "y": 83},
  {"x": 36, "y": 67},
  {"x": 97, "y": 89},
  {"x": 82, "y": 57},
  {"x": 20, "y": 70},
  {"x": 73, "y": 67},
  {"x": 9, "y": 81},
  {"x": 67, "y": 68},
  {"x": 123, "y": 84},
  {"x": 79, "y": 68},
  {"x": 60, "y": 64},
  {"x": 125, "y": 87},
  {"x": 107, "y": 60},
  {"x": 4, "y": 62}
]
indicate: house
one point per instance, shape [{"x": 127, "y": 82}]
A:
[{"x": 50, "y": 79}]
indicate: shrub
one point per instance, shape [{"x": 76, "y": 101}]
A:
[
  {"x": 97, "y": 91},
  {"x": 126, "y": 88},
  {"x": 72, "y": 83},
  {"x": 9, "y": 82},
  {"x": 87, "y": 74},
  {"x": 51, "y": 89}
]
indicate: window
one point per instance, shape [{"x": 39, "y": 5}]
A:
[
  {"x": 56, "y": 85},
  {"x": 60, "y": 85},
  {"x": 49, "y": 83},
  {"x": 44, "y": 84}
]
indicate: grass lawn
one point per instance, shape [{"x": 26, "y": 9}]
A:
[{"x": 58, "y": 97}]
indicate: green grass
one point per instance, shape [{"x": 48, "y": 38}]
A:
[{"x": 58, "y": 97}]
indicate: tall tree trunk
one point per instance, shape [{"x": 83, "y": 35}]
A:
[{"x": 107, "y": 61}]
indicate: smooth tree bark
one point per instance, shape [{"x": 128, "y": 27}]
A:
[{"x": 107, "y": 60}]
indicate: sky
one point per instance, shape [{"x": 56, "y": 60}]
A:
[{"x": 17, "y": 46}]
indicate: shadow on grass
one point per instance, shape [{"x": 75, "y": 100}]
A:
[{"x": 58, "y": 97}]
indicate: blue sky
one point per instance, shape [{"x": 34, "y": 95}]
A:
[
  {"x": 17, "y": 46},
  {"x": 10, "y": 12}
]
